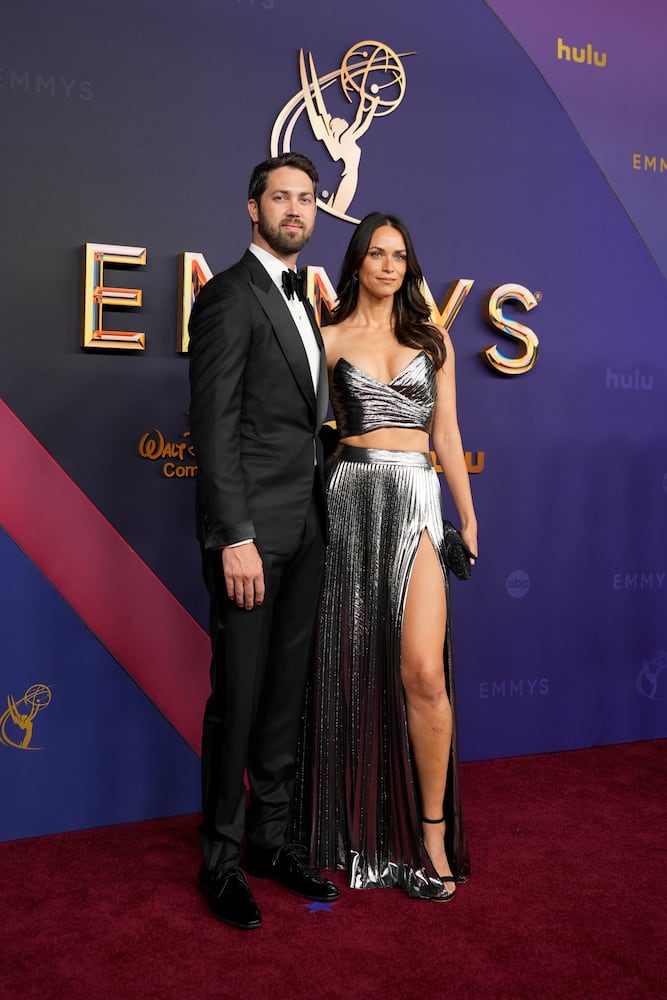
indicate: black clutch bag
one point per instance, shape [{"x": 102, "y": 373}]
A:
[{"x": 457, "y": 554}]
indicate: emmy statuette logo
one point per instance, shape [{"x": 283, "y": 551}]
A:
[
  {"x": 652, "y": 678},
  {"x": 372, "y": 80},
  {"x": 16, "y": 723}
]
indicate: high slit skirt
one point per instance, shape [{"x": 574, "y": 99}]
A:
[{"x": 357, "y": 798}]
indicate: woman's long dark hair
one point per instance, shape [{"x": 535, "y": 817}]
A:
[{"x": 411, "y": 312}]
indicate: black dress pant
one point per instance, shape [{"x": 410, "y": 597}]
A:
[{"x": 260, "y": 664}]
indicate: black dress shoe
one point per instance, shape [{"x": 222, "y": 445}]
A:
[
  {"x": 229, "y": 897},
  {"x": 287, "y": 865}
]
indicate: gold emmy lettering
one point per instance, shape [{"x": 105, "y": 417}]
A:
[
  {"x": 455, "y": 296},
  {"x": 587, "y": 55},
  {"x": 194, "y": 272},
  {"x": 511, "y": 328},
  {"x": 96, "y": 295},
  {"x": 651, "y": 164},
  {"x": 321, "y": 293},
  {"x": 16, "y": 723},
  {"x": 371, "y": 75},
  {"x": 322, "y": 296}
]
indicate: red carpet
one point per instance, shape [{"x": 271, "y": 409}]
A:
[{"x": 567, "y": 900}]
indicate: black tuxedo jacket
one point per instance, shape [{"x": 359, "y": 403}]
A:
[{"x": 253, "y": 413}]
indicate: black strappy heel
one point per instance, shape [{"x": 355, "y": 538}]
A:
[{"x": 443, "y": 878}]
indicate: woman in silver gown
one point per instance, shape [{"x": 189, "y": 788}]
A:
[{"x": 378, "y": 788}]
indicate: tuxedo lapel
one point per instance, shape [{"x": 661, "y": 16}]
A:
[
  {"x": 286, "y": 331},
  {"x": 323, "y": 384},
  {"x": 288, "y": 337}
]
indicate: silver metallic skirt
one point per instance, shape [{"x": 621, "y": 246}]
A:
[{"x": 357, "y": 801}]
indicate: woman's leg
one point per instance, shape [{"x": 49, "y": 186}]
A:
[{"x": 428, "y": 710}]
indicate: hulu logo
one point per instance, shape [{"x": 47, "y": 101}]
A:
[
  {"x": 588, "y": 55},
  {"x": 628, "y": 380}
]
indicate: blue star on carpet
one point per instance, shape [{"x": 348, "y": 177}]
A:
[{"x": 316, "y": 907}]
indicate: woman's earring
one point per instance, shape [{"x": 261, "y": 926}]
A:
[{"x": 355, "y": 277}]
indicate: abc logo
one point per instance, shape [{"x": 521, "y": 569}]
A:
[{"x": 518, "y": 583}]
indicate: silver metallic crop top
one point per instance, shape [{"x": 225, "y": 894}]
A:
[{"x": 361, "y": 403}]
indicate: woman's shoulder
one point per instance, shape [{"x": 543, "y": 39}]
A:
[
  {"x": 339, "y": 340},
  {"x": 335, "y": 334},
  {"x": 332, "y": 348}
]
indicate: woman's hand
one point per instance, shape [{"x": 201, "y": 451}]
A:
[{"x": 469, "y": 536}]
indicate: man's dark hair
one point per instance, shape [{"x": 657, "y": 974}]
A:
[{"x": 260, "y": 175}]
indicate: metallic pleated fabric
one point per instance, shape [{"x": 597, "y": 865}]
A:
[
  {"x": 362, "y": 404},
  {"x": 357, "y": 801}
]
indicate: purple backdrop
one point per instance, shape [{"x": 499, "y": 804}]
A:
[{"x": 511, "y": 163}]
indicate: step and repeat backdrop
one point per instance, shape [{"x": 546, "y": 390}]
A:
[{"x": 525, "y": 146}]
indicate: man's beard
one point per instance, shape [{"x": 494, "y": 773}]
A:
[{"x": 282, "y": 242}]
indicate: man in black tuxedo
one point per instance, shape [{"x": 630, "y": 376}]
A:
[{"x": 259, "y": 395}]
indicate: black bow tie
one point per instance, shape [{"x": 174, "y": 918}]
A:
[{"x": 293, "y": 284}]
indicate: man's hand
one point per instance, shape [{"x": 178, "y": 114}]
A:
[{"x": 244, "y": 575}]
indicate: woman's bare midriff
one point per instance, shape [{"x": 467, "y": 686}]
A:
[{"x": 391, "y": 439}]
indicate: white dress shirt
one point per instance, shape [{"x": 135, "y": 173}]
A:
[{"x": 275, "y": 269}]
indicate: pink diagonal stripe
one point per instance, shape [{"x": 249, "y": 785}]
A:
[{"x": 119, "y": 598}]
